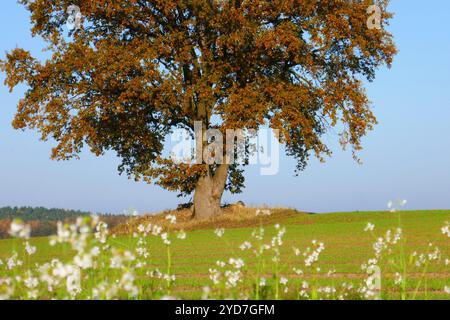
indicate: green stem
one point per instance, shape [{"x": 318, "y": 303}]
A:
[
  {"x": 420, "y": 281},
  {"x": 402, "y": 258},
  {"x": 169, "y": 269}
]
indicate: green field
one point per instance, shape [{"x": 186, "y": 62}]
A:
[{"x": 347, "y": 247}]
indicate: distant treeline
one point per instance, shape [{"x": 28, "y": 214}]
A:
[
  {"x": 39, "y": 213},
  {"x": 43, "y": 221}
]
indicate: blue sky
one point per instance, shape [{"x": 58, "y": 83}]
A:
[{"x": 407, "y": 156}]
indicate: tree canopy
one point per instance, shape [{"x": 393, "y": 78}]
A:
[{"x": 136, "y": 70}]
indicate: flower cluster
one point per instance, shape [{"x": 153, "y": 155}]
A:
[
  {"x": 97, "y": 266},
  {"x": 227, "y": 275},
  {"x": 446, "y": 229},
  {"x": 88, "y": 240}
]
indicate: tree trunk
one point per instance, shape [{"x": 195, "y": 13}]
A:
[{"x": 209, "y": 192}]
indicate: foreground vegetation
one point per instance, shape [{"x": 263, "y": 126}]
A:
[
  {"x": 43, "y": 221},
  {"x": 277, "y": 254}
]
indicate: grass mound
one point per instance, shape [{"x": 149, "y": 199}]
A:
[{"x": 232, "y": 217}]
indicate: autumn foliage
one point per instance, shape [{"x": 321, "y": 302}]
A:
[{"x": 136, "y": 70}]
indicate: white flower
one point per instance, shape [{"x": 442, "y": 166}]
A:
[
  {"x": 215, "y": 276},
  {"x": 83, "y": 261},
  {"x": 369, "y": 227},
  {"x": 395, "y": 206},
  {"x": 266, "y": 213},
  {"x": 19, "y": 230},
  {"x": 297, "y": 271},
  {"x": 169, "y": 278},
  {"x": 95, "y": 251},
  {"x": 220, "y": 232},
  {"x": 313, "y": 255},
  {"x": 284, "y": 281},
  {"x": 155, "y": 274},
  {"x": 156, "y": 230},
  {"x": 398, "y": 279},
  {"x": 102, "y": 232},
  {"x": 171, "y": 218},
  {"x": 246, "y": 246},
  {"x": 446, "y": 230},
  {"x": 277, "y": 241},
  {"x": 13, "y": 262},
  {"x": 31, "y": 282},
  {"x": 165, "y": 238},
  {"x": 262, "y": 282},
  {"x": 233, "y": 277},
  {"x": 30, "y": 249},
  {"x": 182, "y": 235},
  {"x": 237, "y": 263}
]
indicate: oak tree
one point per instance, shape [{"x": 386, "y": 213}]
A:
[{"x": 135, "y": 70}]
